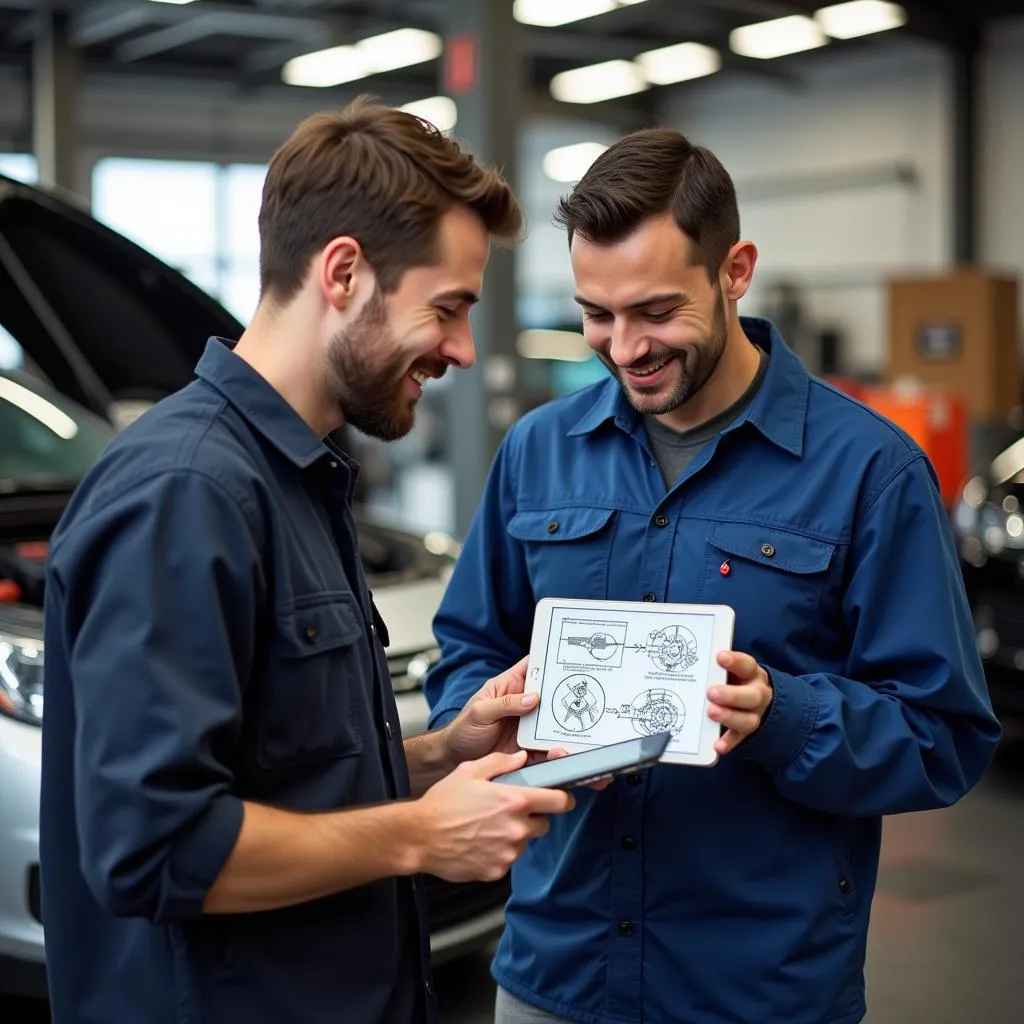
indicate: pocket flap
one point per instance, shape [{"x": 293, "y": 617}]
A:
[
  {"x": 774, "y": 548},
  {"x": 318, "y": 623},
  {"x": 556, "y": 524}
]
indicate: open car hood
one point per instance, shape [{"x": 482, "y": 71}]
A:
[{"x": 99, "y": 316}]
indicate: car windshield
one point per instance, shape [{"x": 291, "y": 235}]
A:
[{"x": 44, "y": 439}]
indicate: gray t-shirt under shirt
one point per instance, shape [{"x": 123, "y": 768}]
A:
[{"x": 674, "y": 450}]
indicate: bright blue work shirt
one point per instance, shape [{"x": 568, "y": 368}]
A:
[
  {"x": 738, "y": 893},
  {"x": 210, "y": 640}
]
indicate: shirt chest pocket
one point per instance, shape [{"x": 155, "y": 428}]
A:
[
  {"x": 319, "y": 664},
  {"x": 773, "y": 579},
  {"x": 567, "y": 550}
]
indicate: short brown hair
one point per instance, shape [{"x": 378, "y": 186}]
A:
[
  {"x": 650, "y": 172},
  {"x": 379, "y": 174}
]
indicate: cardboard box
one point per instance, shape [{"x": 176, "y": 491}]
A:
[{"x": 959, "y": 331}]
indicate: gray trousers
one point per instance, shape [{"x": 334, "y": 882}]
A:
[{"x": 510, "y": 1010}]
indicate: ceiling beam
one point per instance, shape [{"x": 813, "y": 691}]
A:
[{"x": 201, "y": 25}]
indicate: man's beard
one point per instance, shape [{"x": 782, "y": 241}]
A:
[
  {"x": 366, "y": 371},
  {"x": 696, "y": 366}
]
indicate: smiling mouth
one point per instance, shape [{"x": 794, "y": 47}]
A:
[{"x": 649, "y": 371}]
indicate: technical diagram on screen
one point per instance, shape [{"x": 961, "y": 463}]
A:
[{"x": 608, "y": 671}]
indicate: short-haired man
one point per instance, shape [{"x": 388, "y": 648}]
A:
[
  {"x": 713, "y": 468},
  {"x": 228, "y": 826}
]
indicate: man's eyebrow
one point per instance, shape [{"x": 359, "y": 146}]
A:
[
  {"x": 459, "y": 294},
  {"x": 650, "y": 300}
]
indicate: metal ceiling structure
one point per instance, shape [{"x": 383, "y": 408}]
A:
[{"x": 246, "y": 42}]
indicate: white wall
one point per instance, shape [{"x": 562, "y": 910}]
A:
[
  {"x": 814, "y": 168},
  {"x": 1001, "y": 177}
]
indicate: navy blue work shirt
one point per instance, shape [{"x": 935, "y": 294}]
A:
[
  {"x": 210, "y": 639},
  {"x": 740, "y": 892}
]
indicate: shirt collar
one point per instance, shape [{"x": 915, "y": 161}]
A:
[
  {"x": 261, "y": 405},
  {"x": 779, "y": 410}
]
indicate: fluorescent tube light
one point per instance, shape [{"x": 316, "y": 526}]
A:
[
  {"x": 371, "y": 56},
  {"x": 570, "y": 163},
  {"x": 440, "y": 111},
  {"x": 564, "y": 346},
  {"x": 777, "y": 38},
  {"x": 860, "y": 18},
  {"x": 597, "y": 82},
  {"x": 679, "y": 63},
  {"x": 548, "y": 13},
  {"x": 38, "y": 407},
  {"x": 179, "y": 2}
]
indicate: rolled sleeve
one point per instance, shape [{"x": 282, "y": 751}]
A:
[{"x": 161, "y": 588}]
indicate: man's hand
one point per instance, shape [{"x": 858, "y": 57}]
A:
[
  {"x": 471, "y": 829},
  {"x": 490, "y": 720},
  {"x": 741, "y": 704}
]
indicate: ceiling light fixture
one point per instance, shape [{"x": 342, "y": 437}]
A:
[
  {"x": 179, "y": 2},
  {"x": 548, "y": 13},
  {"x": 777, "y": 38},
  {"x": 564, "y": 346},
  {"x": 597, "y": 82},
  {"x": 570, "y": 163},
  {"x": 860, "y": 18},
  {"x": 679, "y": 63},
  {"x": 440, "y": 111},
  {"x": 371, "y": 56}
]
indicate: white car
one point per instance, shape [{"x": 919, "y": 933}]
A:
[{"x": 104, "y": 329}]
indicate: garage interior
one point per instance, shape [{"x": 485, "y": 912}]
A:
[{"x": 877, "y": 165}]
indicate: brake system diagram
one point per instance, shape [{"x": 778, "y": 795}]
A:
[
  {"x": 611, "y": 671},
  {"x": 654, "y": 711},
  {"x": 671, "y": 648},
  {"x": 578, "y": 703}
]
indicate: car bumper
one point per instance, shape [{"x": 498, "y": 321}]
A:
[
  {"x": 21, "y": 930},
  {"x": 464, "y": 917}
]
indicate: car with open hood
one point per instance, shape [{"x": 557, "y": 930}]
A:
[{"x": 102, "y": 330}]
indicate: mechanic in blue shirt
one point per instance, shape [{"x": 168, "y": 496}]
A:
[
  {"x": 713, "y": 468},
  {"x": 232, "y": 827}
]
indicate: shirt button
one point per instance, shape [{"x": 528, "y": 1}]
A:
[
  {"x": 768, "y": 550},
  {"x": 844, "y": 885},
  {"x": 628, "y": 842},
  {"x": 650, "y": 597},
  {"x": 553, "y": 526},
  {"x": 310, "y": 633},
  {"x": 661, "y": 519},
  {"x": 633, "y": 779},
  {"x": 625, "y": 928},
  {"x": 429, "y": 989},
  {"x": 387, "y": 729},
  {"x": 332, "y": 464}
]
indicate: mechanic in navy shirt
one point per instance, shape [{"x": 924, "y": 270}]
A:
[
  {"x": 232, "y": 827},
  {"x": 713, "y": 468}
]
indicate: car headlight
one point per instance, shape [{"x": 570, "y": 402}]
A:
[{"x": 21, "y": 678}]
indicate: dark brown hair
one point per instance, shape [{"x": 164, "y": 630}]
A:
[
  {"x": 651, "y": 172},
  {"x": 381, "y": 175}
]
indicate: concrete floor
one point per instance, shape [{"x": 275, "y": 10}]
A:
[{"x": 946, "y": 929}]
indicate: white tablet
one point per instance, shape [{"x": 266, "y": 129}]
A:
[{"x": 607, "y": 671}]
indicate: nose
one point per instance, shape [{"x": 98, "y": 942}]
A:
[
  {"x": 458, "y": 348},
  {"x": 626, "y": 345}
]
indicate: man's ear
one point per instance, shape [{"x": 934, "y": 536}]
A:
[
  {"x": 738, "y": 270},
  {"x": 343, "y": 271}
]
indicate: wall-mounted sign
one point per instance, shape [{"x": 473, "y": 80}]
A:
[{"x": 938, "y": 341}]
